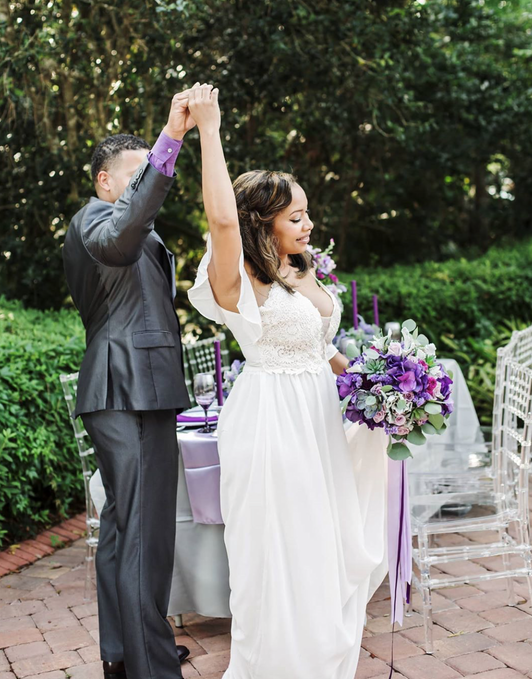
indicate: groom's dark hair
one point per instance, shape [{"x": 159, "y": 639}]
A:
[{"x": 110, "y": 148}]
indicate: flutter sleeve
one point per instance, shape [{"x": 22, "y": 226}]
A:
[
  {"x": 202, "y": 298},
  {"x": 330, "y": 351}
]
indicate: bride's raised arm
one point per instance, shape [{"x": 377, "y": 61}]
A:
[{"x": 218, "y": 198}]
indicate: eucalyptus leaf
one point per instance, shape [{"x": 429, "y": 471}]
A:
[
  {"x": 345, "y": 403},
  {"x": 410, "y": 325},
  {"x": 423, "y": 340},
  {"x": 401, "y": 405},
  {"x": 416, "y": 437},
  {"x": 371, "y": 400},
  {"x": 436, "y": 420},
  {"x": 429, "y": 428},
  {"x": 352, "y": 351},
  {"x": 386, "y": 388},
  {"x": 371, "y": 353},
  {"x": 433, "y": 408},
  {"x": 399, "y": 451}
]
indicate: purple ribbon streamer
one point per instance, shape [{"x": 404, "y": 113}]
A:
[{"x": 399, "y": 538}]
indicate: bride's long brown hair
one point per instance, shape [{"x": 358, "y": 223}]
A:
[{"x": 260, "y": 196}]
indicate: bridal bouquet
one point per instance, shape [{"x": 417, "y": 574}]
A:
[
  {"x": 399, "y": 386},
  {"x": 324, "y": 265}
]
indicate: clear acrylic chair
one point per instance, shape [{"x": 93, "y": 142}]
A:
[
  {"x": 86, "y": 453},
  {"x": 497, "y": 498},
  {"x": 520, "y": 347},
  {"x": 199, "y": 358}
]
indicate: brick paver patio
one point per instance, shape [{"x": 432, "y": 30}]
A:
[{"x": 48, "y": 631}]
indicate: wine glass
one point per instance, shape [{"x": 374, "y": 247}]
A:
[{"x": 204, "y": 393}]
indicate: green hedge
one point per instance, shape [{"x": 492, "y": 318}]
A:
[
  {"x": 40, "y": 478},
  {"x": 459, "y": 298}
]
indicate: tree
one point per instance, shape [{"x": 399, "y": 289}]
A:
[{"x": 406, "y": 122}]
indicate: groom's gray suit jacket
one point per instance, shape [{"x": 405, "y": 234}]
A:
[{"x": 121, "y": 278}]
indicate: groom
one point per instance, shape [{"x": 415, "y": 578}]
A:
[{"x": 131, "y": 385}]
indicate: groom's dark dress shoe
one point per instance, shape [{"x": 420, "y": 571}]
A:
[
  {"x": 114, "y": 670},
  {"x": 117, "y": 670},
  {"x": 182, "y": 653}
]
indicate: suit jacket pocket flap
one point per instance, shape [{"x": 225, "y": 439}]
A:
[{"x": 149, "y": 339}]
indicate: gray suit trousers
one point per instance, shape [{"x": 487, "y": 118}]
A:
[{"x": 137, "y": 455}]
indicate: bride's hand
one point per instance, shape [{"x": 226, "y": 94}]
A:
[{"x": 203, "y": 105}]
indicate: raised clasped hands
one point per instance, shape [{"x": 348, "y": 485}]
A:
[
  {"x": 204, "y": 108},
  {"x": 197, "y": 105}
]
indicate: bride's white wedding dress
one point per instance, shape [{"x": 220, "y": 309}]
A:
[{"x": 304, "y": 505}]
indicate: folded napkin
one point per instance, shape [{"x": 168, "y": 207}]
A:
[{"x": 194, "y": 418}]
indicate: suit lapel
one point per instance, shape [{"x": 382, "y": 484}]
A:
[{"x": 170, "y": 269}]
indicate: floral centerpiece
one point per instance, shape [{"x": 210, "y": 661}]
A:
[
  {"x": 325, "y": 265},
  {"x": 231, "y": 375},
  {"x": 362, "y": 336},
  {"x": 399, "y": 386}
]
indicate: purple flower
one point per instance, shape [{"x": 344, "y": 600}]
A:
[
  {"x": 407, "y": 381},
  {"x": 445, "y": 385}
]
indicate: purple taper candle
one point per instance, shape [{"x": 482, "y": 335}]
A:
[
  {"x": 355, "y": 304},
  {"x": 218, "y": 370},
  {"x": 376, "y": 310}
]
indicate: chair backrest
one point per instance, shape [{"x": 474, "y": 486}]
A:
[
  {"x": 83, "y": 441},
  {"x": 512, "y": 433},
  {"x": 199, "y": 358},
  {"x": 520, "y": 346}
]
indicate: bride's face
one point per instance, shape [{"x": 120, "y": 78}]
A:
[{"x": 293, "y": 225}]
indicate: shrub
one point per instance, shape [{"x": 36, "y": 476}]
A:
[
  {"x": 40, "y": 478},
  {"x": 458, "y": 298},
  {"x": 478, "y": 358}
]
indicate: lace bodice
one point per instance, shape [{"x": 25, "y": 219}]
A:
[
  {"x": 286, "y": 334},
  {"x": 295, "y": 337}
]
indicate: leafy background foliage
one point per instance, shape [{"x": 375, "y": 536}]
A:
[
  {"x": 406, "y": 122},
  {"x": 40, "y": 475}
]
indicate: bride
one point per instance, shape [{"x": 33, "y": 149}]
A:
[{"x": 303, "y": 504}]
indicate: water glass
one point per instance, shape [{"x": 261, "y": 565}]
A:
[{"x": 205, "y": 394}]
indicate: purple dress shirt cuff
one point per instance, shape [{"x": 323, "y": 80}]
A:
[{"x": 164, "y": 154}]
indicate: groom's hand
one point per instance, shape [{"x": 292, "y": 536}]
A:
[{"x": 180, "y": 121}]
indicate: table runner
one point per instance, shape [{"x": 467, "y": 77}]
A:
[{"x": 202, "y": 475}]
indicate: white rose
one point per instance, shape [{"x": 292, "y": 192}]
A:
[{"x": 395, "y": 348}]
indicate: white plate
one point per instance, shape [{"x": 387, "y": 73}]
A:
[{"x": 198, "y": 411}]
